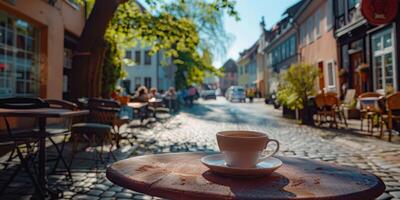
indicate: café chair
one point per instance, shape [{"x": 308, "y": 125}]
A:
[
  {"x": 97, "y": 130},
  {"x": 393, "y": 114},
  {"x": 369, "y": 109},
  {"x": 327, "y": 107},
  {"x": 20, "y": 140},
  {"x": 61, "y": 128}
]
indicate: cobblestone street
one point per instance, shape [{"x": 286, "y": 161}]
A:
[{"x": 194, "y": 129}]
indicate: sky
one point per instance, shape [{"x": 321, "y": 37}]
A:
[{"x": 247, "y": 30}]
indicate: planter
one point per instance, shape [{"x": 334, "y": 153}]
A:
[{"x": 288, "y": 113}]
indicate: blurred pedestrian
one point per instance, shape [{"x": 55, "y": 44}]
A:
[
  {"x": 191, "y": 92},
  {"x": 250, "y": 94},
  {"x": 141, "y": 95},
  {"x": 170, "y": 98}
]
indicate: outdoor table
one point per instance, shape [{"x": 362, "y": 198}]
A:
[
  {"x": 42, "y": 114},
  {"x": 137, "y": 105},
  {"x": 370, "y": 107},
  {"x": 183, "y": 176}
]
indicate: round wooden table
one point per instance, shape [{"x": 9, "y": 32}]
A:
[{"x": 183, "y": 176}]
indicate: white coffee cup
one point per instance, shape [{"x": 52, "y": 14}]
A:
[{"x": 244, "y": 149}]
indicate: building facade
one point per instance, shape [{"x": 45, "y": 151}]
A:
[
  {"x": 147, "y": 70},
  {"x": 36, "y": 43},
  {"x": 364, "y": 45},
  {"x": 281, "y": 49},
  {"x": 230, "y": 75},
  {"x": 247, "y": 66},
  {"x": 317, "y": 42}
]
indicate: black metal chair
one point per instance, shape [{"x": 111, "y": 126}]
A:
[
  {"x": 21, "y": 139},
  {"x": 62, "y": 128},
  {"x": 97, "y": 130}
]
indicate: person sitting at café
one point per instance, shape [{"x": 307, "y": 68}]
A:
[
  {"x": 154, "y": 94},
  {"x": 141, "y": 95},
  {"x": 170, "y": 94}
]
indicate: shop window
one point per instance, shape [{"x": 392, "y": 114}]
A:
[{"x": 19, "y": 57}]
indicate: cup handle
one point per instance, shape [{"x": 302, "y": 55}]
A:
[{"x": 263, "y": 156}]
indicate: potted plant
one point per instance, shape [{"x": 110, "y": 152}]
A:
[{"x": 296, "y": 88}]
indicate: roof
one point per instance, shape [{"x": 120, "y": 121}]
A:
[
  {"x": 230, "y": 66},
  {"x": 246, "y": 53},
  {"x": 292, "y": 10}
]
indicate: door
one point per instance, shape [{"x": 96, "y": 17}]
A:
[
  {"x": 321, "y": 75},
  {"x": 356, "y": 60}
]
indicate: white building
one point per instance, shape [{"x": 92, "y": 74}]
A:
[{"x": 148, "y": 70}]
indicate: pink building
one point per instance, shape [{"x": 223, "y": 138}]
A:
[{"x": 317, "y": 43}]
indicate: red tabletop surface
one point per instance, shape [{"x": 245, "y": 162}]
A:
[{"x": 183, "y": 176}]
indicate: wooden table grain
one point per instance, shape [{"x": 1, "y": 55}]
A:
[{"x": 183, "y": 176}]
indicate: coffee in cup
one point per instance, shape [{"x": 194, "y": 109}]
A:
[{"x": 244, "y": 149}]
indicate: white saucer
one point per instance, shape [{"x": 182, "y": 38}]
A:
[{"x": 217, "y": 164}]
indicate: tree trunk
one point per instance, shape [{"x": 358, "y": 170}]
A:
[{"x": 89, "y": 53}]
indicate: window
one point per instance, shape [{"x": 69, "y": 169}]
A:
[
  {"x": 353, "y": 3},
  {"x": 138, "y": 56},
  {"x": 310, "y": 29},
  {"x": 128, "y": 54},
  {"x": 65, "y": 83},
  {"x": 138, "y": 82},
  {"x": 331, "y": 75},
  {"x": 340, "y": 7},
  {"x": 303, "y": 34},
  {"x": 345, "y": 57},
  {"x": 147, "y": 58},
  {"x": 74, "y": 3},
  {"x": 68, "y": 58},
  {"x": 126, "y": 84},
  {"x": 384, "y": 69},
  {"x": 19, "y": 57},
  {"x": 292, "y": 46},
  {"x": 329, "y": 15},
  {"x": 317, "y": 23},
  {"x": 147, "y": 82}
]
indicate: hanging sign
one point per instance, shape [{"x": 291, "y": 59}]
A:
[{"x": 378, "y": 12}]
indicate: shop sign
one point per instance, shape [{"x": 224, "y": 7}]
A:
[{"x": 378, "y": 12}]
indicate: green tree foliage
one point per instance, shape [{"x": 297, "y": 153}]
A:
[
  {"x": 183, "y": 30},
  {"x": 297, "y": 85}
]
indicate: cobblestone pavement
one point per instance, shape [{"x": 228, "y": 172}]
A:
[{"x": 194, "y": 130}]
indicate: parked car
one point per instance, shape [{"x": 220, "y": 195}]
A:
[
  {"x": 208, "y": 94},
  {"x": 236, "y": 93}
]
